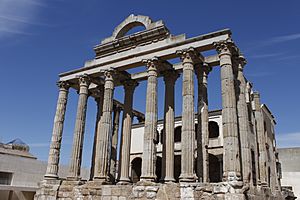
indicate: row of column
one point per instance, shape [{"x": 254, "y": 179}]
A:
[{"x": 190, "y": 59}]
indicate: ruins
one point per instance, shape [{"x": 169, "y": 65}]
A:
[{"x": 246, "y": 166}]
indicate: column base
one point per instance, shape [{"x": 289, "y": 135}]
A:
[
  {"x": 148, "y": 178},
  {"x": 187, "y": 178},
  {"x": 50, "y": 176},
  {"x": 263, "y": 184},
  {"x": 101, "y": 180},
  {"x": 168, "y": 180},
  {"x": 124, "y": 181}
]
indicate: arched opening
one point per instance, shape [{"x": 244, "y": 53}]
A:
[
  {"x": 177, "y": 167},
  {"x": 213, "y": 129},
  {"x": 136, "y": 169},
  {"x": 135, "y": 29},
  {"x": 177, "y": 134},
  {"x": 158, "y": 168},
  {"x": 215, "y": 168}
]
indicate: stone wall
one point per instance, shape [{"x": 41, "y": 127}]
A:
[{"x": 147, "y": 190}]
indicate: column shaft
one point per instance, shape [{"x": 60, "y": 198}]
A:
[
  {"x": 75, "y": 164},
  {"x": 99, "y": 101},
  {"x": 202, "y": 129},
  {"x": 261, "y": 140},
  {"x": 188, "y": 117},
  {"x": 114, "y": 143},
  {"x": 54, "y": 152},
  {"x": 243, "y": 121},
  {"x": 170, "y": 78},
  {"x": 231, "y": 156},
  {"x": 129, "y": 87},
  {"x": 149, "y": 151},
  {"x": 104, "y": 130}
]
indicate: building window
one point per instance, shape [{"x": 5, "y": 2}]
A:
[
  {"x": 213, "y": 129},
  {"x": 177, "y": 132},
  {"x": 5, "y": 178}
]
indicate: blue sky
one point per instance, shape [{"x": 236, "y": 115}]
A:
[{"x": 40, "y": 39}]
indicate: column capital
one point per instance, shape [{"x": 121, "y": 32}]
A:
[
  {"x": 109, "y": 74},
  {"x": 84, "y": 80},
  {"x": 202, "y": 67},
  {"x": 130, "y": 85},
  {"x": 63, "y": 85},
  {"x": 241, "y": 62},
  {"x": 117, "y": 108},
  {"x": 98, "y": 92},
  {"x": 189, "y": 55},
  {"x": 170, "y": 76},
  {"x": 225, "y": 47},
  {"x": 152, "y": 65}
]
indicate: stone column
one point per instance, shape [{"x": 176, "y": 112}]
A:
[
  {"x": 261, "y": 140},
  {"x": 75, "y": 164},
  {"x": 202, "y": 129},
  {"x": 188, "y": 58},
  {"x": 149, "y": 151},
  {"x": 114, "y": 143},
  {"x": 99, "y": 92},
  {"x": 104, "y": 130},
  {"x": 243, "y": 120},
  {"x": 231, "y": 158},
  {"x": 170, "y": 78},
  {"x": 54, "y": 152},
  {"x": 129, "y": 87}
]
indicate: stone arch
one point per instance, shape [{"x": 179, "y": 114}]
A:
[
  {"x": 213, "y": 129},
  {"x": 130, "y": 22},
  {"x": 136, "y": 169}
]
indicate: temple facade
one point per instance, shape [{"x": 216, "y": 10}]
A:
[{"x": 225, "y": 154}]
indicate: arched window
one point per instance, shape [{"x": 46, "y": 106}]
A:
[
  {"x": 213, "y": 129},
  {"x": 136, "y": 169},
  {"x": 177, "y": 134}
]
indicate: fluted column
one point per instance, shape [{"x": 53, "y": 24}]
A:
[
  {"x": 98, "y": 93},
  {"x": 114, "y": 143},
  {"x": 129, "y": 87},
  {"x": 188, "y": 58},
  {"x": 75, "y": 164},
  {"x": 170, "y": 78},
  {"x": 54, "y": 152},
  {"x": 104, "y": 129},
  {"x": 149, "y": 151},
  {"x": 202, "y": 129},
  {"x": 261, "y": 140},
  {"x": 243, "y": 121},
  {"x": 231, "y": 156}
]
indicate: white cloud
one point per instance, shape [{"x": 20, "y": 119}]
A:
[
  {"x": 17, "y": 15},
  {"x": 288, "y": 140}
]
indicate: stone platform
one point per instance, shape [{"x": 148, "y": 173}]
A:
[{"x": 67, "y": 190}]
